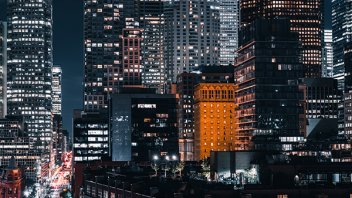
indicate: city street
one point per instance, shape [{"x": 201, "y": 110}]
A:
[{"x": 61, "y": 177}]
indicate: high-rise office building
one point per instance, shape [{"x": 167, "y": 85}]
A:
[
  {"x": 322, "y": 99},
  {"x": 348, "y": 90},
  {"x": 328, "y": 55},
  {"x": 306, "y": 19},
  {"x": 3, "y": 67},
  {"x": 269, "y": 57},
  {"x": 57, "y": 92},
  {"x": 103, "y": 24},
  {"x": 143, "y": 124},
  {"x": 229, "y": 27},
  {"x": 192, "y": 36},
  {"x": 29, "y": 67},
  {"x": 90, "y": 136},
  {"x": 152, "y": 21},
  {"x": 342, "y": 34},
  {"x": 14, "y": 142},
  {"x": 131, "y": 39},
  {"x": 214, "y": 119}
]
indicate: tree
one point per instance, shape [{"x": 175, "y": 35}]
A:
[
  {"x": 166, "y": 168},
  {"x": 155, "y": 167},
  {"x": 205, "y": 168},
  {"x": 179, "y": 167}
]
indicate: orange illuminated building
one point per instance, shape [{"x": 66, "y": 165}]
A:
[
  {"x": 11, "y": 181},
  {"x": 215, "y": 118}
]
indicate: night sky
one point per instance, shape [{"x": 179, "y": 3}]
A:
[{"x": 68, "y": 50}]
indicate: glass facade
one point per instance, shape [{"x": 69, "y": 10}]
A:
[
  {"x": 29, "y": 78},
  {"x": 152, "y": 21},
  {"x": 269, "y": 57},
  {"x": 342, "y": 34},
  {"x": 56, "y": 86},
  {"x": 229, "y": 27},
  {"x": 328, "y": 55},
  {"x": 103, "y": 24},
  {"x": 90, "y": 137},
  {"x": 3, "y": 68},
  {"x": 305, "y": 18},
  {"x": 143, "y": 125}
]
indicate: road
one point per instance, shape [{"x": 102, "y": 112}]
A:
[{"x": 60, "y": 180}]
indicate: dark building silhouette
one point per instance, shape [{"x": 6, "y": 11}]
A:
[
  {"x": 143, "y": 124},
  {"x": 268, "y": 65},
  {"x": 306, "y": 18},
  {"x": 90, "y": 136}
]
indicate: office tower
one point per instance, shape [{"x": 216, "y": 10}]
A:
[
  {"x": 3, "y": 67},
  {"x": 56, "y": 89},
  {"x": 348, "y": 66},
  {"x": 185, "y": 113},
  {"x": 103, "y": 24},
  {"x": 306, "y": 19},
  {"x": 131, "y": 50},
  {"x": 342, "y": 34},
  {"x": 229, "y": 26},
  {"x": 152, "y": 21},
  {"x": 14, "y": 142},
  {"x": 348, "y": 90},
  {"x": 143, "y": 125},
  {"x": 191, "y": 35},
  {"x": 57, "y": 114},
  {"x": 214, "y": 119},
  {"x": 269, "y": 57},
  {"x": 11, "y": 180},
  {"x": 328, "y": 55},
  {"x": 90, "y": 136},
  {"x": 322, "y": 99},
  {"x": 29, "y": 67}
]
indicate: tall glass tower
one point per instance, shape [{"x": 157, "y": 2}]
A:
[
  {"x": 305, "y": 17},
  {"x": 152, "y": 20},
  {"x": 103, "y": 24},
  {"x": 229, "y": 25},
  {"x": 342, "y": 34},
  {"x": 3, "y": 63},
  {"x": 29, "y": 67}
]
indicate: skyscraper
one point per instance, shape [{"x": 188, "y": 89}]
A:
[
  {"x": 229, "y": 26},
  {"x": 269, "y": 57},
  {"x": 191, "y": 35},
  {"x": 103, "y": 24},
  {"x": 306, "y": 19},
  {"x": 56, "y": 86},
  {"x": 342, "y": 34},
  {"x": 131, "y": 51},
  {"x": 57, "y": 114},
  {"x": 3, "y": 67},
  {"x": 29, "y": 66},
  {"x": 328, "y": 55},
  {"x": 152, "y": 20}
]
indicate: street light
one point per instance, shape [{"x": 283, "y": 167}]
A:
[{"x": 155, "y": 157}]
